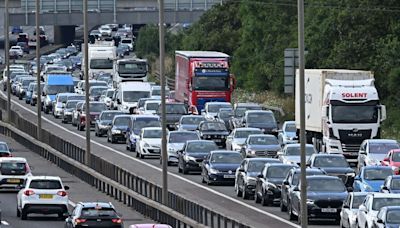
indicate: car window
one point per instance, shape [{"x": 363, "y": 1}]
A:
[
  {"x": 230, "y": 158},
  {"x": 278, "y": 171},
  {"x": 13, "y": 168},
  {"x": 325, "y": 185},
  {"x": 45, "y": 184},
  {"x": 357, "y": 201},
  {"x": 377, "y": 174},
  {"x": 98, "y": 212},
  {"x": 245, "y": 134},
  {"x": 333, "y": 161},
  {"x": 395, "y": 185},
  {"x": 201, "y": 147},
  {"x": 383, "y": 202},
  {"x": 3, "y": 147},
  {"x": 392, "y": 217},
  {"x": 182, "y": 137},
  {"x": 382, "y": 148}
]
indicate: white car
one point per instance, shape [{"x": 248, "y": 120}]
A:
[
  {"x": 16, "y": 51},
  {"x": 373, "y": 151},
  {"x": 150, "y": 107},
  {"x": 43, "y": 195},
  {"x": 211, "y": 109},
  {"x": 368, "y": 210},
  {"x": 238, "y": 137},
  {"x": 149, "y": 143},
  {"x": 13, "y": 172},
  {"x": 175, "y": 142},
  {"x": 156, "y": 92},
  {"x": 348, "y": 214},
  {"x": 105, "y": 30},
  {"x": 128, "y": 42}
]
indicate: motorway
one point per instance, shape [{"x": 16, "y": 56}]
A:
[
  {"x": 220, "y": 198},
  {"x": 79, "y": 191}
]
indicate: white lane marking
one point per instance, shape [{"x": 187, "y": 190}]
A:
[
  {"x": 5, "y": 223},
  {"x": 159, "y": 169}
]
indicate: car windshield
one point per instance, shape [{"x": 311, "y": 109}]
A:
[
  {"x": 182, "y": 137},
  {"x": 382, "y": 148},
  {"x": 295, "y": 151},
  {"x": 395, "y": 185},
  {"x": 290, "y": 127},
  {"x": 101, "y": 64},
  {"x": 134, "y": 96},
  {"x": 384, "y": 202},
  {"x": 96, "y": 107},
  {"x": 176, "y": 109},
  {"x": 213, "y": 126},
  {"x": 13, "y": 168},
  {"x": 296, "y": 176},
  {"x": 54, "y": 89},
  {"x": 263, "y": 140},
  {"x": 196, "y": 147},
  {"x": 145, "y": 122},
  {"x": 45, "y": 184},
  {"x": 358, "y": 200},
  {"x": 109, "y": 115},
  {"x": 230, "y": 158},
  {"x": 192, "y": 120},
  {"x": 122, "y": 121},
  {"x": 157, "y": 92},
  {"x": 71, "y": 104},
  {"x": 260, "y": 117},
  {"x": 62, "y": 98},
  {"x": 239, "y": 112},
  {"x": 76, "y": 98},
  {"x": 3, "y": 147},
  {"x": 27, "y": 81},
  {"x": 377, "y": 174},
  {"x": 325, "y": 185},
  {"x": 132, "y": 67},
  {"x": 326, "y": 161},
  {"x": 256, "y": 166},
  {"x": 96, "y": 91},
  {"x": 393, "y": 216},
  {"x": 110, "y": 93},
  {"x": 278, "y": 171},
  {"x": 217, "y": 107},
  {"x": 98, "y": 212},
  {"x": 152, "y": 106},
  {"x": 245, "y": 134},
  {"x": 152, "y": 134},
  {"x": 225, "y": 114}
]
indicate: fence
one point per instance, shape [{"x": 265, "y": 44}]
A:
[{"x": 136, "y": 192}]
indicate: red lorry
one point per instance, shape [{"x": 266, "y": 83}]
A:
[{"x": 202, "y": 76}]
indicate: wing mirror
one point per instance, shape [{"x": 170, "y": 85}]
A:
[
  {"x": 296, "y": 189},
  {"x": 241, "y": 170},
  {"x": 260, "y": 176}
]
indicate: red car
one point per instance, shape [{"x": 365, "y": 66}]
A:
[{"x": 392, "y": 159}]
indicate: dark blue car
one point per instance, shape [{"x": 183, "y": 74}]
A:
[
  {"x": 371, "y": 178},
  {"x": 220, "y": 166},
  {"x": 391, "y": 184},
  {"x": 388, "y": 217}
]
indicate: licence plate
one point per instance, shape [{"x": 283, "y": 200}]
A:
[
  {"x": 14, "y": 181},
  {"x": 329, "y": 210},
  {"x": 217, "y": 140},
  {"x": 229, "y": 176},
  {"x": 46, "y": 196}
]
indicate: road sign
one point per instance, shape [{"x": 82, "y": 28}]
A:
[{"x": 291, "y": 63}]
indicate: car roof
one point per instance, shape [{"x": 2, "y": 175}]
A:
[
  {"x": 259, "y": 111},
  {"x": 94, "y": 204},
  {"x": 144, "y": 117},
  {"x": 373, "y": 141},
  {"x": 44, "y": 178},
  {"x": 298, "y": 170},
  {"x": 12, "y": 159},
  {"x": 225, "y": 151},
  {"x": 297, "y": 145},
  {"x": 261, "y": 135},
  {"x": 323, "y": 177},
  {"x": 359, "y": 193},
  {"x": 199, "y": 141},
  {"x": 217, "y": 103},
  {"x": 377, "y": 167},
  {"x": 327, "y": 155},
  {"x": 182, "y": 131},
  {"x": 151, "y": 128},
  {"x": 247, "y": 129},
  {"x": 281, "y": 164},
  {"x": 385, "y": 195},
  {"x": 264, "y": 159},
  {"x": 390, "y": 208}
]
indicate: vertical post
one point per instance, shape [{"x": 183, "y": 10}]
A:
[
  {"x": 38, "y": 79},
  {"x": 55, "y": 6},
  {"x": 69, "y": 6},
  {"x": 205, "y": 5},
  {"x": 115, "y": 12},
  {"x": 86, "y": 75},
  {"x": 303, "y": 187},
  {"x": 191, "y": 5},
  {"x": 7, "y": 56},
  {"x": 164, "y": 151},
  {"x": 176, "y": 5},
  {"x": 26, "y": 12}
]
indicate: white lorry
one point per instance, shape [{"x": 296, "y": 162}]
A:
[
  {"x": 101, "y": 59},
  {"x": 132, "y": 69},
  {"x": 342, "y": 108}
]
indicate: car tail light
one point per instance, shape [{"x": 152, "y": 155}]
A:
[
  {"x": 62, "y": 193},
  {"x": 83, "y": 118},
  {"x": 29, "y": 192},
  {"x": 79, "y": 220},
  {"x": 27, "y": 168},
  {"x": 117, "y": 220}
]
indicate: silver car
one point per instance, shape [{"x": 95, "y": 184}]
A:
[
  {"x": 348, "y": 215},
  {"x": 238, "y": 137}
]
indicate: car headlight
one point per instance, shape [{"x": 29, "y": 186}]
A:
[
  {"x": 372, "y": 162},
  {"x": 214, "y": 171},
  {"x": 102, "y": 126},
  {"x": 275, "y": 130},
  {"x": 271, "y": 185},
  {"x": 146, "y": 145},
  {"x": 189, "y": 158},
  {"x": 251, "y": 180},
  {"x": 350, "y": 174},
  {"x": 116, "y": 131},
  {"x": 171, "y": 149},
  {"x": 310, "y": 202},
  {"x": 253, "y": 152},
  {"x": 67, "y": 113},
  {"x": 125, "y": 107}
]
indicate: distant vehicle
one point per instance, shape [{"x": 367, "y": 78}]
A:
[
  {"x": 21, "y": 92},
  {"x": 348, "y": 214},
  {"x": 246, "y": 175},
  {"x": 138, "y": 122},
  {"x": 150, "y": 107},
  {"x": 211, "y": 109},
  {"x": 239, "y": 111},
  {"x": 391, "y": 184},
  {"x": 129, "y": 42},
  {"x": 215, "y": 131},
  {"x": 373, "y": 151},
  {"x": 32, "y": 94},
  {"x": 176, "y": 141},
  {"x": 119, "y": 127},
  {"x": 103, "y": 123},
  {"x": 202, "y": 77},
  {"x": 225, "y": 115},
  {"x": 94, "y": 214},
  {"x": 95, "y": 109},
  {"x": 16, "y": 30},
  {"x": 388, "y": 217},
  {"x": 59, "y": 104},
  {"x": 105, "y": 30},
  {"x": 190, "y": 122},
  {"x": 268, "y": 183},
  {"x": 193, "y": 154},
  {"x": 265, "y": 120},
  {"x": 16, "y": 52},
  {"x": 318, "y": 188},
  {"x": 220, "y": 167},
  {"x": 371, "y": 178},
  {"x": 291, "y": 181},
  {"x": 128, "y": 94},
  {"x": 237, "y": 138},
  {"x": 5, "y": 150},
  {"x": 13, "y": 172},
  {"x": 24, "y": 46},
  {"x": 173, "y": 113},
  {"x": 260, "y": 145},
  {"x": 107, "y": 96},
  {"x": 55, "y": 84},
  {"x": 291, "y": 153},
  {"x": 43, "y": 195},
  {"x": 333, "y": 164},
  {"x": 156, "y": 92},
  {"x": 392, "y": 160},
  {"x": 96, "y": 91},
  {"x": 288, "y": 133},
  {"x": 66, "y": 116},
  {"x": 75, "y": 113},
  {"x": 368, "y": 210},
  {"x": 149, "y": 143}
]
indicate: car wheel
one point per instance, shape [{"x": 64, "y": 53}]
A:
[
  {"x": 108, "y": 138},
  {"x": 202, "y": 179},
  {"x": 141, "y": 156},
  {"x": 245, "y": 194},
  {"x": 184, "y": 169},
  {"x": 19, "y": 97},
  {"x": 18, "y": 213},
  {"x": 24, "y": 215},
  {"x": 257, "y": 198},
  {"x": 264, "y": 200},
  {"x": 282, "y": 206},
  {"x": 290, "y": 212},
  {"x": 299, "y": 218},
  {"x": 238, "y": 191},
  {"x": 95, "y": 133},
  {"x": 179, "y": 168}
]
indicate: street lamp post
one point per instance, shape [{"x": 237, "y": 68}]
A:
[
  {"x": 7, "y": 57},
  {"x": 38, "y": 79},
  {"x": 86, "y": 75}
]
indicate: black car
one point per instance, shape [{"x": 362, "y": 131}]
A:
[
  {"x": 269, "y": 183},
  {"x": 333, "y": 165},
  {"x": 213, "y": 130},
  {"x": 265, "y": 120},
  {"x": 225, "y": 115},
  {"x": 119, "y": 127},
  {"x": 325, "y": 197},
  {"x": 173, "y": 112},
  {"x": 220, "y": 166},
  {"x": 66, "y": 116},
  {"x": 94, "y": 214},
  {"x": 292, "y": 180},
  {"x": 246, "y": 175},
  {"x": 193, "y": 154},
  {"x": 391, "y": 184},
  {"x": 103, "y": 123}
]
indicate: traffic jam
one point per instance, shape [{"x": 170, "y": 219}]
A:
[{"x": 352, "y": 174}]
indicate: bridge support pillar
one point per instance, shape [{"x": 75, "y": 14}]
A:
[{"x": 64, "y": 34}]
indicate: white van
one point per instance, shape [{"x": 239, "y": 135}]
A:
[{"x": 128, "y": 94}]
